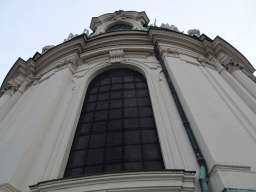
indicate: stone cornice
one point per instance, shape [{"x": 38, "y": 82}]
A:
[{"x": 221, "y": 45}]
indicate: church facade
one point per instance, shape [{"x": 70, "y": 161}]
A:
[{"x": 130, "y": 107}]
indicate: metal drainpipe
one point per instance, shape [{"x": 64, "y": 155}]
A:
[{"x": 200, "y": 159}]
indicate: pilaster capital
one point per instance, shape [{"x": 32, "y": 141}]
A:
[
  {"x": 169, "y": 52},
  {"x": 11, "y": 88},
  {"x": 232, "y": 66},
  {"x": 70, "y": 63}
]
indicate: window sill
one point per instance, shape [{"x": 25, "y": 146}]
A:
[{"x": 164, "y": 180}]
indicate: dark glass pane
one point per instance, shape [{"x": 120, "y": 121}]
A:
[
  {"x": 92, "y": 98},
  {"x": 93, "y": 169},
  {"x": 133, "y": 166},
  {"x": 116, "y": 104},
  {"x": 116, "y": 95},
  {"x": 113, "y": 168},
  {"x": 154, "y": 165},
  {"x": 133, "y": 153},
  {"x": 84, "y": 128},
  {"x": 131, "y": 137},
  {"x": 151, "y": 152},
  {"x": 115, "y": 114},
  {"x": 147, "y": 122},
  {"x": 148, "y": 136},
  {"x": 105, "y": 81},
  {"x": 113, "y": 154},
  {"x": 115, "y": 124},
  {"x": 94, "y": 90},
  {"x": 95, "y": 156},
  {"x": 129, "y": 94},
  {"x": 140, "y": 78},
  {"x": 101, "y": 116},
  {"x": 99, "y": 127},
  {"x": 130, "y": 102},
  {"x": 142, "y": 93},
  {"x": 74, "y": 172},
  {"x": 97, "y": 140},
  {"x": 128, "y": 79},
  {"x": 119, "y": 27},
  {"x": 131, "y": 123},
  {"x": 117, "y": 80},
  {"x": 145, "y": 111},
  {"x": 141, "y": 85},
  {"x": 115, "y": 138},
  {"x": 102, "y": 105},
  {"x": 89, "y": 107},
  {"x": 143, "y": 102},
  {"x": 103, "y": 96},
  {"x": 130, "y": 112},
  {"x": 87, "y": 117},
  {"x": 80, "y": 142},
  {"x": 116, "y": 87},
  {"x": 76, "y": 159},
  {"x": 104, "y": 88},
  {"x": 129, "y": 86}
]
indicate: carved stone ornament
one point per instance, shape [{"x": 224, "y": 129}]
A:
[
  {"x": 71, "y": 36},
  {"x": 232, "y": 66},
  {"x": 10, "y": 89},
  {"x": 194, "y": 32},
  {"x": 47, "y": 48},
  {"x": 204, "y": 61},
  {"x": 171, "y": 27},
  {"x": 116, "y": 56},
  {"x": 68, "y": 62},
  {"x": 86, "y": 31},
  {"x": 173, "y": 52},
  {"x": 118, "y": 15}
]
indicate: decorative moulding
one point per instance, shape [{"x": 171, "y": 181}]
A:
[
  {"x": 170, "y": 52},
  {"x": 116, "y": 56},
  {"x": 47, "y": 48},
  {"x": 171, "y": 27},
  {"x": 71, "y": 63},
  {"x": 11, "y": 88},
  {"x": 151, "y": 181},
  {"x": 232, "y": 66},
  {"x": 204, "y": 61},
  {"x": 6, "y": 187}
]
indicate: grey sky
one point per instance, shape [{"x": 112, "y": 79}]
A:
[{"x": 29, "y": 25}]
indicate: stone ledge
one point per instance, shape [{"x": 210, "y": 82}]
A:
[{"x": 165, "y": 180}]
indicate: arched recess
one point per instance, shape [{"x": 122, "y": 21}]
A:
[{"x": 116, "y": 131}]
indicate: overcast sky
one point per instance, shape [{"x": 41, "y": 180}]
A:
[{"x": 28, "y": 25}]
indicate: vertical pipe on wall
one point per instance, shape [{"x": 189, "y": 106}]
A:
[{"x": 200, "y": 159}]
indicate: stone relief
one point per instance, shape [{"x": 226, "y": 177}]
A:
[
  {"x": 47, "y": 48},
  {"x": 118, "y": 15},
  {"x": 194, "y": 32},
  {"x": 116, "y": 56}
]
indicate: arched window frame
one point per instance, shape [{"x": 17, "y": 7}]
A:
[{"x": 81, "y": 81}]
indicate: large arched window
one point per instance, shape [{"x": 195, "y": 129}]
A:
[
  {"x": 119, "y": 27},
  {"x": 116, "y": 131}
]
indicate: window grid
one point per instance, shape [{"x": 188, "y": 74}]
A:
[
  {"x": 116, "y": 95},
  {"x": 119, "y": 27}
]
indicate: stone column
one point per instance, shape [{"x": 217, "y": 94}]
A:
[
  {"x": 235, "y": 70},
  {"x": 7, "y": 93},
  {"x": 237, "y": 87},
  {"x": 14, "y": 94}
]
